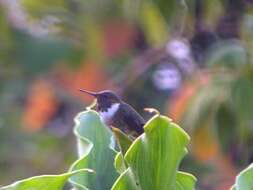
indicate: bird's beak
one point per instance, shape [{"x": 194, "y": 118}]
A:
[{"x": 89, "y": 92}]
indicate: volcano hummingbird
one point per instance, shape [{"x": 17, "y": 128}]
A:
[{"x": 115, "y": 112}]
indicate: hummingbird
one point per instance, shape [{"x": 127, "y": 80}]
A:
[{"x": 115, "y": 112}]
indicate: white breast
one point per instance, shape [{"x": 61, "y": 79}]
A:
[{"x": 107, "y": 115}]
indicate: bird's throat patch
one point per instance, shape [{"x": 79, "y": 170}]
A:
[{"x": 106, "y": 116}]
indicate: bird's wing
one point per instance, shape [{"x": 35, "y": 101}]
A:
[{"x": 133, "y": 119}]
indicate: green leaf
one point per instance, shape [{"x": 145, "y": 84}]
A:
[
  {"x": 244, "y": 181},
  {"x": 185, "y": 181},
  {"x": 154, "y": 158},
  {"x": 44, "y": 182},
  {"x": 95, "y": 152},
  {"x": 119, "y": 163},
  {"x": 123, "y": 140},
  {"x": 126, "y": 181}
]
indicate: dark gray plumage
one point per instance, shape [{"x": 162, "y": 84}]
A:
[{"x": 115, "y": 112}]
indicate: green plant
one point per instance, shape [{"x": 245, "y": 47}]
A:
[
  {"x": 152, "y": 160},
  {"x": 244, "y": 179},
  {"x": 43, "y": 182},
  {"x": 149, "y": 162}
]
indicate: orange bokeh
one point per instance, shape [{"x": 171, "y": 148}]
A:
[{"x": 41, "y": 105}]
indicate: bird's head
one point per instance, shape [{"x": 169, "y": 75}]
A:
[{"x": 104, "y": 98}]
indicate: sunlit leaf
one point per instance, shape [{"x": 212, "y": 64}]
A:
[
  {"x": 126, "y": 181},
  {"x": 95, "y": 152},
  {"x": 120, "y": 163},
  {"x": 123, "y": 141},
  {"x": 154, "y": 158},
  {"x": 185, "y": 181},
  {"x": 45, "y": 182},
  {"x": 244, "y": 181}
]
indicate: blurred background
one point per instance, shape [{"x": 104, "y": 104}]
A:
[{"x": 190, "y": 59}]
